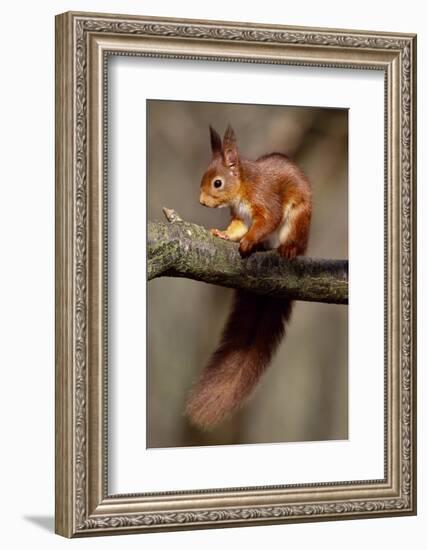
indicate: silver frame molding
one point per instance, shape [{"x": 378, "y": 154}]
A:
[{"x": 83, "y": 43}]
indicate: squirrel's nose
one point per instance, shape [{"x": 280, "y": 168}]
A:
[{"x": 203, "y": 199}]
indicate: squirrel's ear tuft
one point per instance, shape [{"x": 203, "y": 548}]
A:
[
  {"x": 231, "y": 154},
  {"x": 215, "y": 142}
]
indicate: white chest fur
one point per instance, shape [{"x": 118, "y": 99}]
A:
[{"x": 242, "y": 211}]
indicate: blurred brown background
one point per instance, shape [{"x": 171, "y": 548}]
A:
[{"x": 303, "y": 396}]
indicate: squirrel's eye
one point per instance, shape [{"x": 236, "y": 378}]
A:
[{"x": 217, "y": 184}]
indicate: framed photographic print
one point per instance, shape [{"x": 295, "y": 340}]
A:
[{"x": 235, "y": 274}]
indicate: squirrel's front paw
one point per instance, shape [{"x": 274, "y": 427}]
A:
[
  {"x": 246, "y": 247},
  {"x": 220, "y": 234}
]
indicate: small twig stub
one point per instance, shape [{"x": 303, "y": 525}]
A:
[{"x": 171, "y": 215}]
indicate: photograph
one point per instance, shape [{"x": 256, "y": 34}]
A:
[{"x": 230, "y": 366}]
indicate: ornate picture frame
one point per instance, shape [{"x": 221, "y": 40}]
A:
[{"x": 84, "y": 506}]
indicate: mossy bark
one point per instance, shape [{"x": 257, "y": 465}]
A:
[{"x": 182, "y": 249}]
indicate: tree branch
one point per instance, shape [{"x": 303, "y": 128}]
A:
[{"x": 182, "y": 249}]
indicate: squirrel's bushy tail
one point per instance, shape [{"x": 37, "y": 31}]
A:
[{"x": 250, "y": 337}]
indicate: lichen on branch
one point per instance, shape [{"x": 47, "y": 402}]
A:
[{"x": 182, "y": 249}]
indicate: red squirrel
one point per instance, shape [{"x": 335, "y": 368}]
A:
[{"x": 270, "y": 203}]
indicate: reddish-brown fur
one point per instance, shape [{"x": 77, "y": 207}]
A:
[{"x": 270, "y": 202}]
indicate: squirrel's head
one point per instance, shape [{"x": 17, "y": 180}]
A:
[{"x": 221, "y": 181}]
